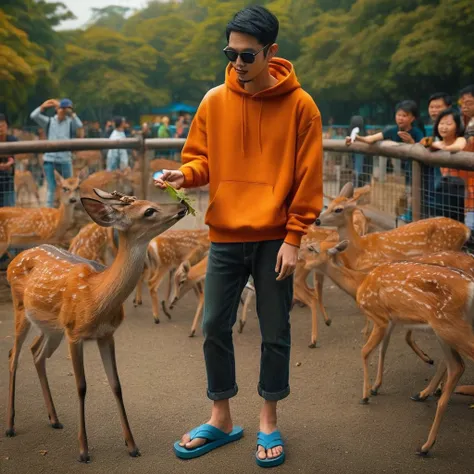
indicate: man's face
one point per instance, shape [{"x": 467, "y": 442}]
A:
[
  {"x": 435, "y": 108},
  {"x": 240, "y": 43},
  {"x": 3, "y": 127},
  {"x": 64, "y": 112},
  {"x": 404, "y": 120},
  {"x": 467, "y": 105}
]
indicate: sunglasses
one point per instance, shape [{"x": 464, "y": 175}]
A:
[{"x": 247, "y": 57}]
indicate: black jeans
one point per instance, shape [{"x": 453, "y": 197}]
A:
[{"x": 228, "y": 270}]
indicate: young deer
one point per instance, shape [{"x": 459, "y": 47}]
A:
[
  {"x": 21, "y": 227},
  {"x": 165, "y": 253},
  {"x": 92, "y": 243},
  {"x": 351, "y": 280},
  {"x": 26, "y": 187},
  {"x": 60, "y": 293}
]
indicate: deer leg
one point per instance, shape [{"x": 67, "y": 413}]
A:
[
  {"x": 198, "y": 313},
  {"x": 415, "y": 348},
  {"x": 163, "y": 303},
  {"x": 314, "y": 322},
  {"x": 3, "y": 248},
  {"x": 376, "y": 336},
  {"x": 433, "y": 385},
  {"x": 245, "y": 309},
  {"x": 107, "y": 353},
  {"x": 153, "y": 285},
  {"x": 77, "y": 357},
  {"x": 366, "y": 329},
  {"x": 318, "y": 282},
  {"x": 455, "y": 370},
  {"x": 43, "y": 348},
  {"x": 22, "y": 325},
  {"x": 138, "y": 292},
  {"x": 382, "y": 353}
]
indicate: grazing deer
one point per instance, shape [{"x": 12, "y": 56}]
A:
[
  {"x": 21, "y": 227},
  {"x": 350, "y": 281},
  {"x": 165, "y": 253},
  {"x": 92, "y": 243},
  {"x": 63, "y": 294}
]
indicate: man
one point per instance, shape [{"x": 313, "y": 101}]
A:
[
  {"x": 117, "y": 158},
  {"x": 466, "y": 97},
  {"x": 7, "y": 167},
  {"x": 434, "y": 198},
  {"x": 257, "y": 141},
  {"x": 65, "y": 125}
]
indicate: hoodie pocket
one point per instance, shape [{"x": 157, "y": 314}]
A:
[{"x": 245, "y": 206}]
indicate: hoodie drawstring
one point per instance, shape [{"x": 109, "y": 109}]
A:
[{"x": 243, "y": 126}]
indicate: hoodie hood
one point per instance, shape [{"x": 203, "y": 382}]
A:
[
  {"x": 280, "y": 69},
  {"x": 283, "y": 71}
]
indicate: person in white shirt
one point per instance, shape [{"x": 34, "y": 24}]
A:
[{"x": 118, "y": 158}]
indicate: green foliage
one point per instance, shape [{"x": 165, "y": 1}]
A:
[{"x": 346, "y": 52}]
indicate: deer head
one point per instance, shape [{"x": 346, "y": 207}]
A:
[
  {"x": 320, "y": 253},
  {"x": 139, "y": 220},
  {"x": 181, "y": 284},
  {"x": 68, "y": 188},
  {"x": 335, "y": 214}
]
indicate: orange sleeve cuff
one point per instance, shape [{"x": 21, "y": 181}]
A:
[
  {"x": 293, "y": 238},
  {"x": 188, "y": 176}
]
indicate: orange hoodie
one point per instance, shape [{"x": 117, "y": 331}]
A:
[{"x": 262, "y": 157}]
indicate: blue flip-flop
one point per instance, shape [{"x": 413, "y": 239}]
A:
[
  {"x": 270, "y": 441},
  {"x": 215, "y": 439}
]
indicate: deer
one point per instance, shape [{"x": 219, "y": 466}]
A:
[
  {"x": 322, "y": 258},
  {"x": 21, "y": 227},
  {"x": 109, "y": 180},
  {"x": 25, "y": 186},
  {"x": 92, "y": 243},
  {"x": 62, "y": 294},
  {"x": 165, "y": 253}
]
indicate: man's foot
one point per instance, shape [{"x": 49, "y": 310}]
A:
[
  {"x": 220, "y": 418},
  {"x": 268, "y": 424}
]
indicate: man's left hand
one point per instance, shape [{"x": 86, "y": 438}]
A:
[
  {"x": 406, "y": 137},
  {"x": 286, "y": 261}
]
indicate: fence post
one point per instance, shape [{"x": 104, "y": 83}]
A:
[
  {"x": 142, "y": 158},
  {"x": 416, "y": 190}
]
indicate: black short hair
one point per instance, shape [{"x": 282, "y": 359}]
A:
[
  {"x": 447, "y": 99},
  {"x": 255, "y": 21},
  {"x": 408, "y": 106},
  {"x": 467, "y": 90},
  {"x": 457, "y": 120},
  {"x": 118, "y": 121},
  {"x": 3, "y": 118}
]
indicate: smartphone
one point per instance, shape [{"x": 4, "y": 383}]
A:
[
  {"x": 157, "y": 174},
  {"x": 354, "y": 133}
]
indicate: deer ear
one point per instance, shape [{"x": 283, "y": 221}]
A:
[
  {"x": 59, "y": 179},
  {"x": 102, "y": 214},
  {"x": 83, "y": 174},
  {"x": 338, "y": 248},
  {"x": 347, "y": 191},
  {"x": 186, "y": 266}
]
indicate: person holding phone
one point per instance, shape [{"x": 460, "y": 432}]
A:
[{"x": 65, "y": 125}]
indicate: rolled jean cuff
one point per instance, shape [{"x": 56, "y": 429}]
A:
[
  {"x": 273, "y": 396},
  {"x": 216, "y": 396}
]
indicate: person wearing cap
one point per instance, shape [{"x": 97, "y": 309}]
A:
[{"x": 65, "y": 125}]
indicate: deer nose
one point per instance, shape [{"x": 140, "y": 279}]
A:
[
  {"x": 72, "y": 200},
  {"x": 182, "y": 213},
  {"x": 318, "y": 221}
]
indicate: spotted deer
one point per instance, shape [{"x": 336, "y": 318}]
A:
[
  {"x": 165, "y": 253},
  {"x": 323, "y": 258},
  {"x": 109, "y": 180},
  {"x": 92, "y": 242},
  {"x": 62, "y": 294},
  {"x": 26, "y": 187},
  {"x": 25, "y": 227}
]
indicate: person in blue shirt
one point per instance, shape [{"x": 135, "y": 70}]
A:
[
  {"x": 65, "y": 125},
  {"x": 117, "y": 158},
  {"x": 404, "y": 131}
]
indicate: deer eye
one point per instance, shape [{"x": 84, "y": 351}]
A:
[
  {"x": 65, "y": 189},
  {"x": 149, "y": 212},
  {"x": 339, "y": 209}
]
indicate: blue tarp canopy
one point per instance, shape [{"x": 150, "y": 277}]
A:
[{"x": 175, "y": 107}]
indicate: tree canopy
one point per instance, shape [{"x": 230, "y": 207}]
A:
[{"x": 347, "y": 53}]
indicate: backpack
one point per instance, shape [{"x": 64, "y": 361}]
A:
[{"x": 49, "y": 124}]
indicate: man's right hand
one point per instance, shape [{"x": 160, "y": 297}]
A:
[
  {"x": 49, "y": 103},
  {"x": 173, "y": 177}
]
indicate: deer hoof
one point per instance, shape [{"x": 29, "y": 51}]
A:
[
  {"x": 364, "y": 401},
  {"x": 10, "y": 433},
  {"x": 314, "y": 345},
  {"x": 192, "y": 333},
  {"x": 421, "y": 453},
  {"x": 85, "y": 458},
  {"x": 135, "y": 453},
  {"x": 430, "y": 361},
  {"x": 418, "y": 398},
  {"x": 438, "y": 392},
  {"x": 374, "y": 392},
  {"x": 241, "y": 327},
  {"x": 165, "y": 309},
  {"x": 57, "y": 426},
  {"x": 328, "y": 322},
  {"x": 157, "y": 320}
]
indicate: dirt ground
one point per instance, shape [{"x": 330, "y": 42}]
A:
[{"x": 163, "y": 379}]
